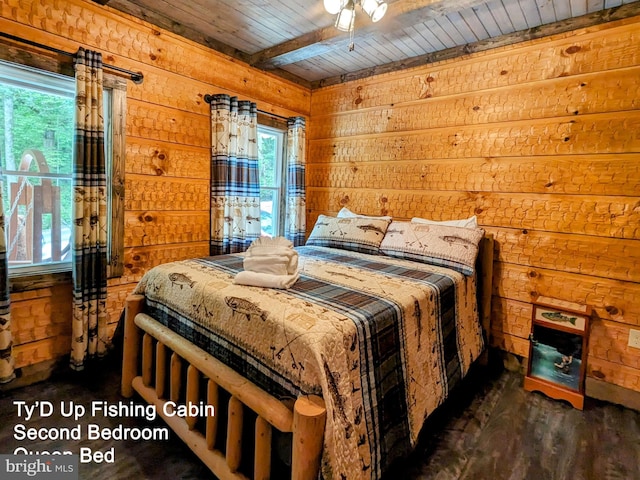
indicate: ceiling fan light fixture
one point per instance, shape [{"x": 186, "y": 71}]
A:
[
  {"x": 346, "y": 17},
  {"x": 334, "y": 6},
  {"x": 379, "y": 12},
  {"x": 374, "y": 8}
]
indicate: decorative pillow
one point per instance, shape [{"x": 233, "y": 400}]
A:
[
  {"x": 356, "y": 233},
  {"x": 471, "y": 222},
  {"x": 442, "y": 245},
  {"x": 346, "y": 213}
]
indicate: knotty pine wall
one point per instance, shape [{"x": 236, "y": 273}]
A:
[
  {"x": 167, "y": 138},
  {"x": 540, "y": 140}
]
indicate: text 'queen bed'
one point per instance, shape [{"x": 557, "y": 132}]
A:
[{"x": 349, "y": 361}]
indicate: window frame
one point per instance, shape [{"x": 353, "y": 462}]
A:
[
  {"x": 116, "y": 168},
  {"x": 18, "y": 55}
]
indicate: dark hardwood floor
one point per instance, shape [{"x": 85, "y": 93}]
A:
[{"x": 492, "y": 429}]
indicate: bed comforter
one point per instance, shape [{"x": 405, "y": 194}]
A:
[{"x": 382, "y": 340}]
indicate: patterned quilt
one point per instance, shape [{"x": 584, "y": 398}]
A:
[{"x": 382, "y": 340}]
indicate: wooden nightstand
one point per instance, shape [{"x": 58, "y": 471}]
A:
[{"x": 558, "y": 349}]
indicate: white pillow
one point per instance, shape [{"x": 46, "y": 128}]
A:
[
  {"x": 346, "y": 213},
  {"x": 471, "y": 222}
]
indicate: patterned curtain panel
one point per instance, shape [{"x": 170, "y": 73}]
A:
[
  {"x": 235, "y": 176},
  {"x": 296, "y": 160},
  {"x": 6, "y": 358},
  {"x": 90, "y": 213}
]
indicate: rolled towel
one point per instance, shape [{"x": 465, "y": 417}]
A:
[{"x": 256, "y": 279}]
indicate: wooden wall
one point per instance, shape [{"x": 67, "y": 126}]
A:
[
  {"x": 167, "y": 141},
  {"x": 540, "y": 140}
]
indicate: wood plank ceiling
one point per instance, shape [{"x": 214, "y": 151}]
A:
[{"x": 296, "y": 39}]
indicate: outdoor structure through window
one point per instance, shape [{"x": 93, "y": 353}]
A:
[
  {"x": 37, "y": 161},
  {"x": 272, "y": 184}
]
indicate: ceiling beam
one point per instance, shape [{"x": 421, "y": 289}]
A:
[
  {"x": 400, "y": 14},
  {"x": 584, "y": 21}
]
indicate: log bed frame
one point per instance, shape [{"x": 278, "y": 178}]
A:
[{"x": 153, "y": 359}]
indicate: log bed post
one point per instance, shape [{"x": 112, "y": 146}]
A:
[
  {"x": 131, "y": 344},
  {"x": 485, "y": 283},
  {"x": 484, "y": 279},
  {"x": 309, "y": 415}
]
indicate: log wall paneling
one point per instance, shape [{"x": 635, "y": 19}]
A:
[
  {"x": 585, "y": 51},
  {"x": 611, "y": 258},
  {"x": 137, "y": 260},
  {"x": 610, "y": 344},
  {"x": 539, "y": 140},
  {"x": 572, "y": 174},
  {"x": 153, "y": 157},
  {"x": 611, "y": 299},
  {"x": 166, "y": 193},
  {"x": 158, "y": 122},
  {"x": 167, "y": 163},
  {"x": 548, "y": 136},
  {"x": 158, "y": 227},
  {"x": 619, "y": 90},
  {"x": 587, "y": 215},
  {"x": 40, "y": 324}
]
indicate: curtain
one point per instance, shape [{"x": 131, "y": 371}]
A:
[
  {"x": 295, "y": 224},
  {"x": 235, "y": 176},
  {"x": 89, "y": 331},
  {"x": 6, "y": 342}
]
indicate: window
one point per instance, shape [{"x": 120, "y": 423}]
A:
[
  {"x": 272, "y": 185},
  {"x": 36, "y": 163},
  {"x": 37, "y": 147}
]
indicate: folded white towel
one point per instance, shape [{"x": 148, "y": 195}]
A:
[
  {"x": 259, "y": 250},
  {"x": 273, "y": 264},
  {"x": 274, "y": 256},
  {"x": 270, "y": 244},
  {"x": 267, "y": 280}
]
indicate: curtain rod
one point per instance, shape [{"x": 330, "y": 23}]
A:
[
  {"x": 136, "y": 77},
  {"x": 208, "y": 98}
]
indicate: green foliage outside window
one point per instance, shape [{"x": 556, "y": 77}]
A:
[{"x": 40, "y": 121}]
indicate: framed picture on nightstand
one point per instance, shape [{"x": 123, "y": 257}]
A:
[{"x": 558, "y": 349}]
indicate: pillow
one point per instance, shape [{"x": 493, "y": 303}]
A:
[
  {"x": 346, "y": 213},
  {"x": 471, "y": 222},
  {"x": 356, "y": 233},
  {"x": 442, "y": 245}
]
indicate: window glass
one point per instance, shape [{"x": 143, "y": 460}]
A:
[
  {"x": 270, "y": 153},
  {"x": 36, "y": 142}
]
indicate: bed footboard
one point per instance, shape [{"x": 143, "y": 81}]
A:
[{"x": 155, "y": 360}]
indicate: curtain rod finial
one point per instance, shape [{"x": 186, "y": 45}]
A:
[{"x": 137, "y": 78}]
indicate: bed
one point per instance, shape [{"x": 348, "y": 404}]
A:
[{"x": 343, "y": 367}]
